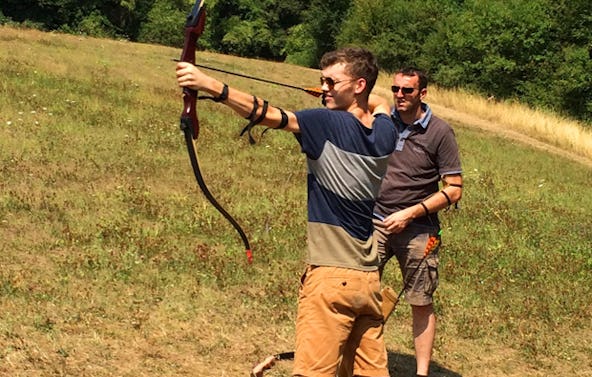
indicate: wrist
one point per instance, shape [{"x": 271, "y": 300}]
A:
[
  {"x": 223, "y": 94},
  {"x": 424, "y": 209}
]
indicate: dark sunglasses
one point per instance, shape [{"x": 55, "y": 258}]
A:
[
  {"x": 330, "y": 82},
  {"x": 405, "y": 90}
]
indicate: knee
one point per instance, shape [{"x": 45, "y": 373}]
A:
[{"x": 422, "y": 311}]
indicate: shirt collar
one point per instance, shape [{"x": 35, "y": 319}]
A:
[{"x": 422, "y": 122}]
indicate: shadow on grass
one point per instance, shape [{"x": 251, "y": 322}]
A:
[{"x": 403, "y": 365}]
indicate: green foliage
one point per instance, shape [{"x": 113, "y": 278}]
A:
[
  {"x": 4, "y": 20},
  {"x": 492, "y": 46},
  {"x": 95, "y": 24},
  {"x": 109, "y": 252},
  {"x": 163, "y": 24},
  {"x": 300, "y": 47},
  {"x": 252, "y": 28},
  {"x": 318, "y": 32},
  {"x": 247, "y": 38},
  {"x": 533, "y": 51},
  {"x": 113, "y": 18},
  {"x": 537, "y": 52},
  {"x": 572, "y": 83},
  {"x": 396, "y": 36}
]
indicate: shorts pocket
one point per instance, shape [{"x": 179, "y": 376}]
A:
[{"x": 431, "y": 281}]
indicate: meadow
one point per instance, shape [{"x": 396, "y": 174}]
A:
[{"x": 112, "y": 262}]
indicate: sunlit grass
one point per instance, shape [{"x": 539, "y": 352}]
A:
[
  {"x": 556, "y": 130},
  {"x": 502, "y": 116},
  {"x": 113, "y": 263}
]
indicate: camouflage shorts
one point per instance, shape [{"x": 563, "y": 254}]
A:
[{"x": 408, "y": 247}]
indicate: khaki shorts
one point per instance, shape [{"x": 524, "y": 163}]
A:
[
  {"x": 339, "y": 311},
  {"x": 408, "y": 247}
]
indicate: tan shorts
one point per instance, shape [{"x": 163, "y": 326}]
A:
[{"x": 339, "y": 312}]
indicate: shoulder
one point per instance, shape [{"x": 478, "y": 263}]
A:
[
  {"x": 384, "y": 118},
  {"x": 384, "y": 123},
  {"x": 320, "y": 116},
  {"x": 439, "y": 128},
  {"x": 437, "y": 122},
  {"x": 314, "y": 119}
]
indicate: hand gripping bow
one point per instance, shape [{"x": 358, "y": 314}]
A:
[{"x": 194, "y": 27}]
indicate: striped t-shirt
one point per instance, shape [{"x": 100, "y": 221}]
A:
[{"x": 346, "y": 163}]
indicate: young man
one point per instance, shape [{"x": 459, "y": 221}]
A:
[
  {"x": 410, "y": 199},
  {"x": 347, "y": 149}
]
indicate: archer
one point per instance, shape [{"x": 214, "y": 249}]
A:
[{"x": 347, "y": 148}]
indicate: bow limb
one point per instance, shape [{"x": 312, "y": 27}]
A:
[{"x": 189, "y": 122}]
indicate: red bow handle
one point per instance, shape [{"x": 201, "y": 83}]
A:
[{"x": 194, "y": 27}]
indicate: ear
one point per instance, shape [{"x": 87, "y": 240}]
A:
[
  {"x": 360, "y": 85},
  {"x": 423, "y": 93}
]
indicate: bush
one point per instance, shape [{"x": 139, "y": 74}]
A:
[
  {"x": 164, "y": 25},
  {"x": 96, "y": 25}
]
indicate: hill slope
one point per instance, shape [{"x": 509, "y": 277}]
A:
[{"x": 113, "y": 264}]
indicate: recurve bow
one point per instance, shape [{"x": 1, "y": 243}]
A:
[{"x": 194, "y": 27}]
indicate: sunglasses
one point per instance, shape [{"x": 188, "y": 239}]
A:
[
  {"x": 405, "y": 90},
  {"x": 331, "y": 83}
]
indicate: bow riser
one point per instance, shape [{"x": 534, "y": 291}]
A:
[
  {"x": 189, "y": 115},
  {"x": 194, "y": 27}
]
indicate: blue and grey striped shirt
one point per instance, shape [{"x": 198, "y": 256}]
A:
[{"x": 346, "y": 163}]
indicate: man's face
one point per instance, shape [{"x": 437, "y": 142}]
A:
[
  {"x": 407, "y": 100},
  {"x": 339, "y": 88}
]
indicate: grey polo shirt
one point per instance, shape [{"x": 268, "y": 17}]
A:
[{"x": 426, "y": 150}]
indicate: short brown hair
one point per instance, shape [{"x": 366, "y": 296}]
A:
[
  {"x": 359, "y": 63},
  {"x": 412, "y": 71}
]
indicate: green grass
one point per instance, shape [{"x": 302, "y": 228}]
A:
[{"x": 112, "y": 263}]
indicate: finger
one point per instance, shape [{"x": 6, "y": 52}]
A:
[{"x": 181, "y": 65}]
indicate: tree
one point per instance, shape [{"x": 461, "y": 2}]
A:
[
  {"x": 394, "y": 30},
  {"x": 164, "y": 23},
  {"x": 317, "y": 34},
  {"x": 252, "y": 28}
]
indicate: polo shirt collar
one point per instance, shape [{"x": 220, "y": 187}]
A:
[{"x": 422, "y": 122}]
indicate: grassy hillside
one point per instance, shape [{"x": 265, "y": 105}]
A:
[{"x": 112, "y": 263}]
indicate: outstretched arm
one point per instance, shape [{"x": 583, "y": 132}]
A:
[{"x": 191, "y": 77}]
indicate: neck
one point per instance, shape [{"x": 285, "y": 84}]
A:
[
  {"x": 362, "y": 112},
  {"x": 411, "y": 115}
]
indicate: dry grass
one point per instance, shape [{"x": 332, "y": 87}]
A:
[
  {"x": 561, "y": 132},
  {"x": 541, "y": 129},
  {"x": 112, "y": 264}
]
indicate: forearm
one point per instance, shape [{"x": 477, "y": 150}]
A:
[
  {"x": 242, "y": 103},
  {"x": 451, "y": 193}
]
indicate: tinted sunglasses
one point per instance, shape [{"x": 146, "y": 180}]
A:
[
  {"x": 331, "y": 83},
  {"x": 405, "y": 90}
]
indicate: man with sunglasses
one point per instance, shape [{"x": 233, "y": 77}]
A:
[
  {"x": 347, "y": 149},
  {"x": 410, "y": 198}
]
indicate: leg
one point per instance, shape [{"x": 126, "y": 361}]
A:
[
  {"x": 421, "y": 278},
  {"x": 366, "y": 342},
  {"x": 424, "y": 332},
  {"x": 384, "y": 254},
  {"x": 325, "y": 319}
]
